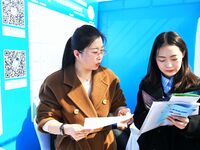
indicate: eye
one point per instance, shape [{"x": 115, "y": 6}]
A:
[
  {"x": 102, "y": 51},
  {"x": 94, "y": 52},
  {"x": 174, "y": 59},
  {"x": 161, "y": 60}
]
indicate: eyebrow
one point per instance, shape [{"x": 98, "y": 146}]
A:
[
  {"x": 97, "y": 48},
  {"x": 165, "y": 57}
]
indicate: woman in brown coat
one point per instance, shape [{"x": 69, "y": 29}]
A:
[{"x": 81, "y": 89}]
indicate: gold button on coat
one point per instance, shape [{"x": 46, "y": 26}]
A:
[
  {"x": 76, "y": 111},
  {"x": 104, "y": 101}
]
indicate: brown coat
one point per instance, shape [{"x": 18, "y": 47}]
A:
[{"x": 63, "y": 98}]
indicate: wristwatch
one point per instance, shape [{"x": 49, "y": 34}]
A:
[{"x": 62, "y": 130}]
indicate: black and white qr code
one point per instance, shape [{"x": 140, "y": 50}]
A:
[
  {"x": 13, "y": 12},
  {"x": 14, "y": 63}
]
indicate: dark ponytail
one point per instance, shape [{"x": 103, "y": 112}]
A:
[{"x": 68, "y": 56}]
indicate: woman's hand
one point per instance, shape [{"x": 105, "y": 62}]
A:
[
  {"x": 76, "y": 131},
  {"x": 179, "y": 122},
  {"x": 122, "y": 111}
]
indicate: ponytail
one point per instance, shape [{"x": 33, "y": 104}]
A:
[{"x": 68, "y": 56}]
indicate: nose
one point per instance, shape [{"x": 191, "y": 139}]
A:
[
  {"x": 168, "y": 64},
  {"x": 99, "y": 57}
]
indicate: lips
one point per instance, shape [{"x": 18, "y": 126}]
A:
[
  {"x": 169, "y": 70},
  {"x": 97, "y": 64}
]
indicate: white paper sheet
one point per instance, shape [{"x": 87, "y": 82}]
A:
[{"x": 98, "y": 122}]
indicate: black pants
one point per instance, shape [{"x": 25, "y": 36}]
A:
[{"x": 122, "y": 137}]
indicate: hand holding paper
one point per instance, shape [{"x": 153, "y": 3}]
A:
[
  {"x": 179, "y": 109},
  {"x": 181, "y": 105}
]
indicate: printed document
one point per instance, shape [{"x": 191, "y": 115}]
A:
[{"x": 182, "y": 105}]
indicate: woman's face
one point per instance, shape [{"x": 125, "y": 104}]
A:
[
  {"x": 92, "y": 55},
  {"x": 169, "y": 60}
]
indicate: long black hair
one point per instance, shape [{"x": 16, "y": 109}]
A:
[
  {"x": 184, "y": 78},
  {"x": 82, "y": 38}
]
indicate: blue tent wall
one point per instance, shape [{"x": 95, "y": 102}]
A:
[{"x": 131, "y": 27}]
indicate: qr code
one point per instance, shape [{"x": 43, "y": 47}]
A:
[
  {"x": 14, "y": 63},
  {"x": 13, "y": 12}
]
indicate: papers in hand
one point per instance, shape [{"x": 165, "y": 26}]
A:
[
  {"x": 98, "y": 122},
  {"x": 179, "y": 105}
]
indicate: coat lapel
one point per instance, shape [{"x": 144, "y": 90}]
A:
[
  {"x": 99, "y": 87},
  {"x": 77, "y": 93}
]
